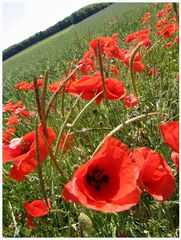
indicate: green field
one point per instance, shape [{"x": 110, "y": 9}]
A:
[{"x": 158, "y": 93}]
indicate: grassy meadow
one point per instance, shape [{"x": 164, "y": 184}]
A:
[{"x": 157, "y": 93}]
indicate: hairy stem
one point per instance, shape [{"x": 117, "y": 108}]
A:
[
  {"x": 102, "y": 72},
  {"x": 74, "y": 122},
  {"x": 40, "y": 175},
  {"x": 131, "y": 65},
  {"x": 63, "y": 127},
  {"x": 122, "y": 125},
  {"x": 58, "y": 90},
  {"x": 37, "y": 97},
  {"x": 44, "y": 93}
]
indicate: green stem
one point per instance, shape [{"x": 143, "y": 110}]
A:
[
  {"x": 63, "y": 98},
  {"x": 58, "y": 90},
  {"x": 74, "y": 122},
  {"x": 102, "y": 72},
  {"x": 54, "y": 160},
  {"x": 122, "y": 125},
  {"x": 45, "y": 131},
  {"x": 44, "y": 93},
  {"x": 40, "y": 175},
  {"x": 131, "y": 65},
  {"x": 63, "y": 127},
  {"x": 37, "y": 97},
  {"x": 78, "y": 43}
]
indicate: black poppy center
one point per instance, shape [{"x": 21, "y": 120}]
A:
[
  {"x": 97, "y": 179},
  {"x": 25, "y": 145}
]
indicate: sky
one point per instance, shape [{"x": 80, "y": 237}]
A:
[{"x": 23, "y": 18}]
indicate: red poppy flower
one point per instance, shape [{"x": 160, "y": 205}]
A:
[
  {"x": 29, "y": 222},
  {"x": 67, "y": 145},
  {"x": 138, "y": 36},
  {"x": 156, "y": 72},
  {"x": 146, "y": 16},
  {"x": 170, "y": 133},
  {"x": 107, "y": 182},
  {"x": 138, "y": 66},
  {"x": 28, "y": 86},
  {"x": 22, "y": 112},
  {"x": 86, "y": 64},
  {"x": 114, "y": 89},
  {"x": 54, "y": 86},
  {"x": 87, "y": 85},
  {"x": 31, "y": 113},
  {"x": 12, "y": 120},
  {"x": 22, "y": 151},
  {"x": 176, "y": 39},
  {"x": 114, "y": 71},
  {"x": 169, "y": 44},
  {"x": 155, "y": 175},
  {"x": 90, "y": 86},
  {"x": 10, "y": 106},
  {"x": 168, "y": 30},
  {"x": 130, "y": 100},
  {"x": 161, "y": 23},
  {"x": 178, "y": 77},
  {"x": 8, "y": 135},
  {"x": 161, "y": 13},
  {"x": 144, "y": 23},
  {"x": 37, "y": 208},
  {"x": 167, "y": 4},
  {"x": 108, "y": 46},
  {"x": 175, "y": 159}
]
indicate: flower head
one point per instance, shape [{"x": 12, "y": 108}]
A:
[
  {"x": 155, "y": 175},
  {"x": 170, "y": 133},
  {"x": 107, "y": 182},
  {"x": 37, "y": 208},
  {"x": 130, "y": 100},
  {"x": 90, "y": 86},
  {"x": 22, "y": 151},
  {"x": 28, "y": 85}
]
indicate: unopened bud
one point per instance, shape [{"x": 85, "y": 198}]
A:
[
  {"x": 75, "y": 167},
  {"x": 101, "y": 124},
  {"x": 85, "y": 223}
]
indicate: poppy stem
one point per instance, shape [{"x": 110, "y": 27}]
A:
[
  {"x": 63, "y": 98},
  {"x": 131, "y": 65},
  {"x": 44, "y": 93},
  {"x": 78, "y": 43},
  {"x": 63, "y": 127},
  {"x": 40, "y": 175},
  {"x": 45, "y": 131},
  {"x": 58, "y": 90},
  {"x": 54, "y": 160},
  {"x": 41, "y": 112},
  {"x": 122, "y": 125},
  {"x": 74, "y": 122},
  {"x": 16, "y": 229},
  {"x": 102, "y": 72},
  {"x": 37, "y": 97}
]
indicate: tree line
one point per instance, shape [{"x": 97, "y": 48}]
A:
[{"x": 74, "y": 18}]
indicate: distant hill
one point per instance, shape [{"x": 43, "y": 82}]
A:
[{"x": 74, "y": 18}]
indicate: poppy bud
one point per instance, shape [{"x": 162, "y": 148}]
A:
[
  {"x": 85, "y": 223},
  {"x": 95, "y": 111},
  {"x": 101, "y": 124},
  {"x": 75, "y": 167}
]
